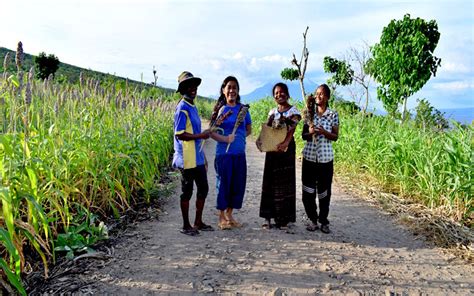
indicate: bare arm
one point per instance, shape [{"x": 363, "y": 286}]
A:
[
  {"x": 189, "y": 137},
  {"x": 220, "y": 138}
]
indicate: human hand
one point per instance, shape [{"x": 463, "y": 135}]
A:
[
  {"x": 205, "y": 134},
  {"x": 312, "y": 129},
  {"x": 259, "y": 145},
  {"x": 230, "y": 138},
  {"x": 320, "y": 130},
  {"x": 282, "y": 147}
]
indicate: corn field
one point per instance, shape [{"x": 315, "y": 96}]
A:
[
  {"x": 433, "y": 168},
  {"x": 67, "y": 151}
]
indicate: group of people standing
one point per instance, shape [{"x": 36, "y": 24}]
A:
[{"x": 230, "y": 125}]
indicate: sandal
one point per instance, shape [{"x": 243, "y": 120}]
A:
[
  {"x": 204, "y": 227},
  {"x": 325, "y": 229},
  {"x": 267, "y": 224},
  {"x": 189, "y": 231},
  {"x": 224, "y": 225},
  {"x": 312, "y": 227},
  {"x": 235, "y": 224}
]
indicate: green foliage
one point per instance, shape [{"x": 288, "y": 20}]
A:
[
  {"x": 84, "y": 231},
  {"x": 289, "y": 74},
  {"x": 342, "y": 72},
  {"x": 205, "y": 107},
  {"x": 428, "y": 117},
  {"x": 46, "y": 65},
  {"x": 13, "y": 278},
  {"x": 345, "y": 107},
  {"x": 403, "y": 61}
]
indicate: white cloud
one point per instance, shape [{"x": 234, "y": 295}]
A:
[
  {"x": 451, "y": 67},
  {"x": 454, "y": 85},
  {"x": 238, "y": 56},
  {"x": 216, "y": 65}
]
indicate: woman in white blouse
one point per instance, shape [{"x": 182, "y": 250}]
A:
[{"x": 279, "y": 181}]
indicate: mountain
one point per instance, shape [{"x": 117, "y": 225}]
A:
[{"x": 266, "y": 90}]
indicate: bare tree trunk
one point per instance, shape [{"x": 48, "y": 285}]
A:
[
  {"x": 303, "y": 92},
  {"x": 366, "y": 99},
  {"x": 404, "y": 109},
  {"x": 301, "y": 65}
]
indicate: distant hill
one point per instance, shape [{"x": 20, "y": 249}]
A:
[
  {"x": 266, "y": 90},
  {"x": 69, "y": 72}
]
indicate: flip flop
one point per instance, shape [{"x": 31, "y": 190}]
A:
[
  {"x": 189, "y": 231},
  {"x": 266, "y": 226},
  {"x": 204, "y": 227}
]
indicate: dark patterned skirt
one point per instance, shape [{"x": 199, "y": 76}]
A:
[{"x": 279, "y": 186}]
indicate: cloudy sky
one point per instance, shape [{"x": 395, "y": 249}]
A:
[{"x": 253, "y": 40}]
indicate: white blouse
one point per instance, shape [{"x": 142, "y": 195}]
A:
[{"x": 287, "y": 114}]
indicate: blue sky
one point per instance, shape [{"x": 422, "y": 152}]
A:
[{"x": 253, "y": 40}]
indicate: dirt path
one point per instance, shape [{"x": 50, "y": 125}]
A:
[{"x": 367, "y": 253}]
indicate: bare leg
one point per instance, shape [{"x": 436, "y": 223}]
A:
[
  {"x": 231, "y": 219},
  {"x": 198, "y": 224},
  {"x": 199, "y": 209},
  {"x": 185, "y": 213},
  {"x": 223, "y": 221}
]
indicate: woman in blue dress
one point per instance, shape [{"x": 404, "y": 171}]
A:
[{"x": 230, "y": 162}]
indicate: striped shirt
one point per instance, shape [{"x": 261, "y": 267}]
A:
[{"x": 321, "y": 149}]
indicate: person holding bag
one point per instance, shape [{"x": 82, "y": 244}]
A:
[{"x": 278, "y": 199}]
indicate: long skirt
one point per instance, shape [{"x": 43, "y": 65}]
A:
[{"x": 279, "y": 186}]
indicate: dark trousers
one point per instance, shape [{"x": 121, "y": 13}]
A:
[
  {"x": 196, "y": 175},
  {"x": 317, "y": 178}
]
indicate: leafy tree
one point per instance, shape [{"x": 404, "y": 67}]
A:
[
  {"x": 342, "y": 72},
  {"x": 403, "y": 61},
  {"x": 289, "y": 74},
  {"x": 429, "y": 117},
  {"x": 351, "y": 71},
  {"x": 46, "y": 65},
  {"x": 345, "y": 107}
]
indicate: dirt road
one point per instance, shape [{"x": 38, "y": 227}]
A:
[{"x": 367, "y": 253}]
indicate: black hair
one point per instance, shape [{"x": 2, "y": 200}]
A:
[
  {"x": 326, "y": 89},
  {"x": 224, "y": 83},
  {"x": 282, "y": 85},
  {"x": 221, "y": 101}
]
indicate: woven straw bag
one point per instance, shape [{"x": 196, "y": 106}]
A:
[{"x": 270, "y": 138}]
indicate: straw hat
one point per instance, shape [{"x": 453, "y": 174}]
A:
[{"x": 187, "y": 78}]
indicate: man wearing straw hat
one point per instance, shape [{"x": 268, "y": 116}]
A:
[{"x": 187, "y": 156}]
